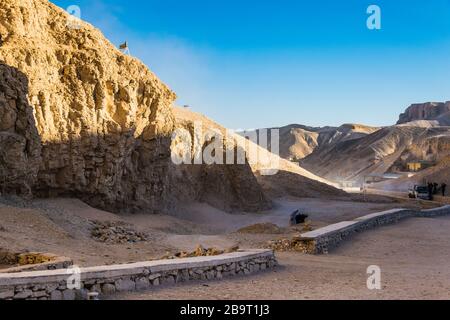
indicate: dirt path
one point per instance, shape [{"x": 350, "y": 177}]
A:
[
  {"x": 412, "y": 255},
  {"x": 437, "y": 199},
  {"x": 64, "y": 227},
  {"x": 321, "y": 212}
]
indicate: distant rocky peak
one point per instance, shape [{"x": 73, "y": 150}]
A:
[{"x": 425, "y": 111}]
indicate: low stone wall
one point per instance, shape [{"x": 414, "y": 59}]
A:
[
  {"x": 107, "y": 280},
  {"x": 322, "y": 240},
  {"x": 442, "y": 211}
]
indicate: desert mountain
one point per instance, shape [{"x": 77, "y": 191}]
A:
[
  {"x": 228, "y": 187},
  {"x": 427, "y": 114},
  {"x": 352, "y": 152},
  {"x": 288, "y": 178},
  {"x": 79, "y": 118},
  {"x": 385, "y": 151},
  {"x": 86, "y": 120},
  {"x": 299, "y": 141},
  {"x": 420, "y": 136}
]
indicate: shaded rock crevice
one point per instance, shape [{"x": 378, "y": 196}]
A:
[{"x": 20, "y": 148}]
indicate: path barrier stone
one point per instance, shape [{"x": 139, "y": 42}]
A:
[
  {"x": 107, "y": 280},
  {"x": 322, "y": 240}
]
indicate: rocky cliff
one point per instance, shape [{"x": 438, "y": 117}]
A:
[
  {"x": 433, "y": 111},
  {"x": 79, "y": 118},
  {"x": 225, "y": 186},
  {"x": 20, "y": 148},
  {"x": 238, "y": 185},
  {"x": 103, "y": 119}
]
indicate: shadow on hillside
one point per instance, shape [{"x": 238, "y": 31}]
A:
[
  {"x": 20, "y": 144},
  {"x": 292, "y": 184},
  {"x": 117, "y": 172}
]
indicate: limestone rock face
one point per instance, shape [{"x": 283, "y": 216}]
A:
[
  {"x": 427, "y": 111},
  {"x": 224, "y": 186},
  {"x": 79, "y": 118},
  {"x": 20, "y": 147},
  {"x": 103, "y": 119}
]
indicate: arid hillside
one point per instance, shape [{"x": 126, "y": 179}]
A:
[
  {"x": 385, "y": 151},
  {"x": 81, "y": 119},
  {"x": 352, "y": 153},
  {"x": 103, "y": 119},
  {"x": 229, "y": 187},
  {"x": 299, "y": 141},
  {"x": 288, "y": 178},
  {"x": 433, "y": 113}
]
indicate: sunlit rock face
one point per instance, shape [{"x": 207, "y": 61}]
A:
[
  {"x": 85, "y": 120},
  {"x": 79, "y": 118},
  {"x": 439, "y": 111}
]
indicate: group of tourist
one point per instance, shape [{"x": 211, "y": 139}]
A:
[{"x": 433, "y": 188}]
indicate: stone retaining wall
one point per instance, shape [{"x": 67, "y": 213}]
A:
[
  {"x": 322, "y": 240},
  {"x": 106, "y": 280}
]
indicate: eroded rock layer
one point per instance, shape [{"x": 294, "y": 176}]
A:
[
  {"x": 104, "y": 120},
  {"x": 434, "y": 111},
  {"x": 79, "y": 118},
  {"x": 20, "y": 148}
]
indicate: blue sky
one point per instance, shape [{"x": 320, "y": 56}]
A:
[{"x": 258, "y": 63}]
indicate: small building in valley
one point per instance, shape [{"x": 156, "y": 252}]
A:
[{"x": 420, "y": 165}]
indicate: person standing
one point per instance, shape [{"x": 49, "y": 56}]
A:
[
  {"x": 430, "y": 191},
  {"x": 443, "y": 187}
]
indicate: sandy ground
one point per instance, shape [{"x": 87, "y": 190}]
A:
[
  {"x": 63, "y": 226},
  {"x": 320, "y": 211},
  {"x": 413, "y": 257}
]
